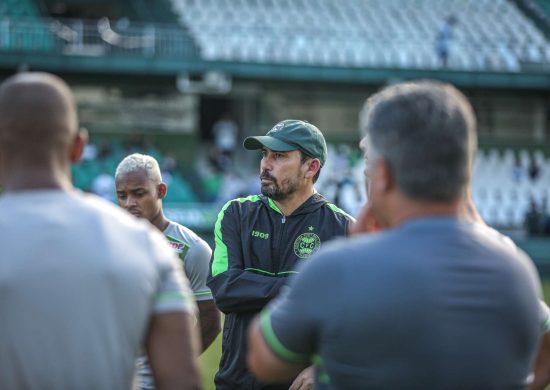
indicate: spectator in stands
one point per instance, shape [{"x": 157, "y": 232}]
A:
[
  {"x": 518, "y": 170},
  {"x": 103, "y": 186},
  {"x": 90, "y": 152},
  {"x": 225, "y": 140},
  {"x": 533, "y": 169},
  {"x": 545, "y": 217},
  {"x": 347, "y": 194},
  {"x": 533, "y": 219},
  {"x": 83, "y": 284},
  {"x": 134, "y": 143},
  {"x": 104, "y": 150},
  {"x": 233, "y": 186},
  {"x": 444, "y": 38},
  {"x": 169, "y": 168}
]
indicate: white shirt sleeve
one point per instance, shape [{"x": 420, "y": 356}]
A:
[
  {"x": 173, "y": 293},
  {"x": 196, "y": 265}
]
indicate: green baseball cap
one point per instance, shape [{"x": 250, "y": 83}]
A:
[{"x": 292, "y": 134}]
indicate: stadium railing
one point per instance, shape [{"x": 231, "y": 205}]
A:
[{"x": 95, "y": 38}]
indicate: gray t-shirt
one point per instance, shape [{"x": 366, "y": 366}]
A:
[
  {"x": 195, "y": 254},
  {"x": 434, "y": 303},
  {"x": 544, "y": 310},
  {"x": 79, "y": 282}
]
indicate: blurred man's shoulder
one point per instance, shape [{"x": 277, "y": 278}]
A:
[{"x": 118, "y": 219}]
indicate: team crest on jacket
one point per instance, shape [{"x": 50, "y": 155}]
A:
[{"x": 306, "y": 244}]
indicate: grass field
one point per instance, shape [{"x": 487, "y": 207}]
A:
[
  {"x": 211, "y": 357},
  {"x": 209, "y": 363}
]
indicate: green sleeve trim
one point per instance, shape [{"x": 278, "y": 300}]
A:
[
  {"x": 170, "y": 238},
  {"x": 200, "y": 294},
  {"x": 172, "y": 296},
  {"x": 183, "y": 254},
  {"x": 270, "y": 273},
  {"x": 287, "y": 272},
  {"x": 273, "y": 205},
  {"x": 320, "y": 370},
  {"x": 546, "y": 324},
  {"x": 274, "y": 343},
  {"x": 220, "y": 260},
  {"x": 251, "y": 198},
  {"x": 338, "y": 210},
  {"x": 261, "y": 271}
]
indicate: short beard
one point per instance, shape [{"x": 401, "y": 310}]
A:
[{"x": 275, "y": 192}]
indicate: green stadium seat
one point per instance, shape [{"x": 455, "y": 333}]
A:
[
  {"x": 180, "y": 191},
  {"x": 24, "y": 31}
]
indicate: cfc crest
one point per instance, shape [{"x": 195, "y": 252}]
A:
[{"x": 306, "y": 244}]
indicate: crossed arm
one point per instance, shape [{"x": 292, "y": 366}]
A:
[
  {"x": 238, "y": 290},
  {"x": 234, "y": 288}
]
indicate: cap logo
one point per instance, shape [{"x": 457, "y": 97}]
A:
[{"x": 277, "y": 127}]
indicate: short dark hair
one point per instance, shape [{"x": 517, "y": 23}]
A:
[
  {"x": 303, "y": 158},
  {"x": 426, "y": 132}
]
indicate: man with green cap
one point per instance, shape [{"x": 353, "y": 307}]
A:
[{"x": 261, "y": 239}]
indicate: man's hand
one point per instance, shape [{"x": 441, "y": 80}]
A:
[
  {"x": 305, "y": 380},
  {"x": 367, "y": 222}
]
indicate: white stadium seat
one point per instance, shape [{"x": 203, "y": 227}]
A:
[{"x": 481, "y": 40}]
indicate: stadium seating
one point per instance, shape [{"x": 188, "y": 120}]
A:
[
  {"x": 544, "y": 5},
  {"x": 21, "y": 28},
  {"x": 88, "y": 169},
  {"x": 24, "y": 28},
  {"x": 503, "y": 189},
  {"x": 490, "y": 34}
]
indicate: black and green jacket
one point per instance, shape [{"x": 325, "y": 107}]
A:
[{"x": 257, "y": 247}]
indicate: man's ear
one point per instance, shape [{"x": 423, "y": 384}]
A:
[
  {"x": 77, "y": 147},
  {"x": 313, "y": 168},
  {"x": 383, "y": 177},
  {"x": 162, "y": 189}
]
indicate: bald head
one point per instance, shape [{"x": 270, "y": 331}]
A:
[
  {"x": 38, "y": 124},
  {"x": 36, "y": 106}
]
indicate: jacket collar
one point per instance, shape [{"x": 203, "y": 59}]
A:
[{"x": 313, "y": 203}]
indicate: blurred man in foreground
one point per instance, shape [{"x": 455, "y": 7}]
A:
[
  {"x": 82, "y": 284},
  {"x": 367, "y": 222},
  {"x": 140, "y": 190},
  {"x": 434, "y": 301}
]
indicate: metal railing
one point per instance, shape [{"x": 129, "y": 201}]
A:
[{"x": 95, "y": 38}]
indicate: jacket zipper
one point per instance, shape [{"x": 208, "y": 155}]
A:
[{"x": 281, "y": 236}]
